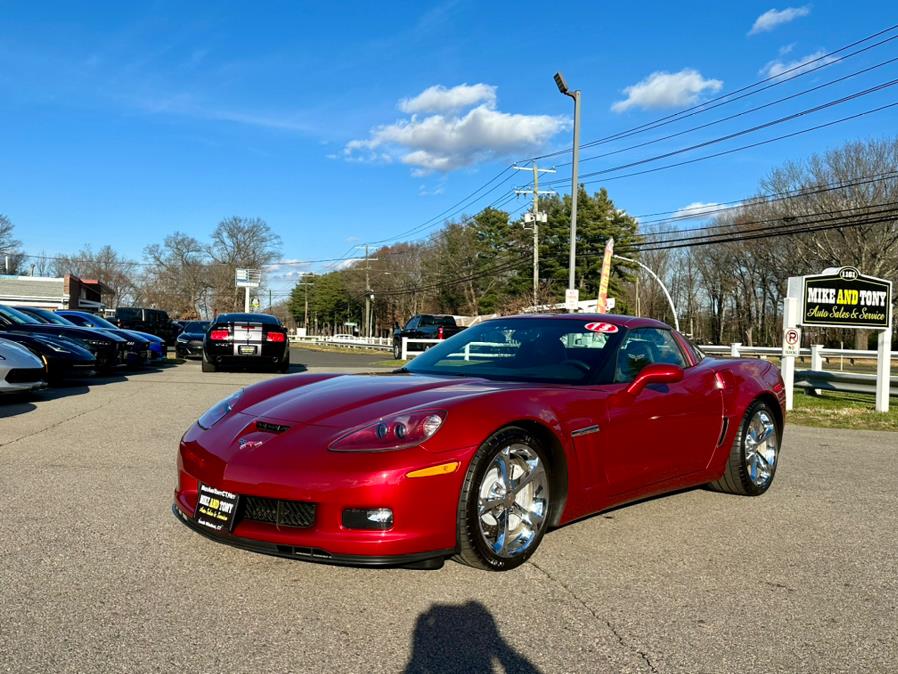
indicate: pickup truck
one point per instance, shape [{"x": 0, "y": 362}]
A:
[{"x": 424, "y": 326}]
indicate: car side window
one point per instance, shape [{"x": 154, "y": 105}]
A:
[{"x": 645, "y": 346}]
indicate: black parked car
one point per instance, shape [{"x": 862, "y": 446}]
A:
[
  {"x": 189, "y": 344},
  {"x": 246, "y": 340},
  {"x": 109, "y": 350},
  {"x": 154, "y": 321},
  {"x": 424, "y": 326},
  {"x": 62, "y": 357},
  {"x": 137, "y": 349}
]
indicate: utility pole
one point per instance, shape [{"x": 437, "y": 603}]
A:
[
  {"x": 305, "y": 315},
  {"x": 535, "y": 218},
  {"x": 369, "y": 295}
]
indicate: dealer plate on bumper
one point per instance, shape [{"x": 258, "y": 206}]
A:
[
  {"x": 246, "y": 349},
  {"x": 215, "y": 508}
]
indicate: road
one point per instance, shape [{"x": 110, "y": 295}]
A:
[{"x": 96, "y": 575}]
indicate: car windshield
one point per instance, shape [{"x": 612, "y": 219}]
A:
[
  {"x": 554, "y": 350},
  {"x": 196, "y": 326},
  {"x": 49, "y": 317},
  {"x": 15, "y": 316},
  {"x": 100, "y": 322}
]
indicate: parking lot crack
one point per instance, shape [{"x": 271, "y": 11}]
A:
[
  {"x": 604, "y": 621},
  {"x": 64, "y": 421}
]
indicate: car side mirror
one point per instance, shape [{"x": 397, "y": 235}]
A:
[{"x": 656, "y": 373}]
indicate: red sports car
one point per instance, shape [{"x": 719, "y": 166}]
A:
[{"x": 479, "y": 445}]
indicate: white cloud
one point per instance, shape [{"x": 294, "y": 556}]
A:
[
  {"x": 440, "y": 99},
  {"x": 776, "y": 17},
  {"x": 346, "y": 264},
  {"x": 667, "y": 90},
  {"x": 776, "y": 68},
  {"x": 698, "y": 210},
  {"x": 445, "y": 142}
]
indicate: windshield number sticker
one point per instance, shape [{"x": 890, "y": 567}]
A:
[{"x": 605, "y": 328}]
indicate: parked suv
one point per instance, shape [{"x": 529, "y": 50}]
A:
[
  {"x": 424, "y": 326},
  {"x": 154, "y": 321}
]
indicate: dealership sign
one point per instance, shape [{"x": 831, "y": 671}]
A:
[{"x": 845, "y": 298}]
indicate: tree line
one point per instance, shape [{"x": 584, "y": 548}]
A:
[
  {"x": 726, "y": 273},
  {"x": 187, "y": 277}
]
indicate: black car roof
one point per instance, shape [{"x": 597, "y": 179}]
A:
[{"x": 266, "y": 319}]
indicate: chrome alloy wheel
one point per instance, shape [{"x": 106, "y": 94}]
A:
[
  {"x": 761, "y": 448},
  {"x": 513, "y": 500}
]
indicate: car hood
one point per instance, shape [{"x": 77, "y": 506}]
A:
[
  {"x": 349, "y": 400},
  {"x": 145, "y": 336},
  {"x": 73, "y": 332}
]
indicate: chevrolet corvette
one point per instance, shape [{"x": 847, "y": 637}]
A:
[{"x": 478, "y": 446}]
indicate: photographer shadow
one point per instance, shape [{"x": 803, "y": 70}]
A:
[{"x": 462, "y": 638}]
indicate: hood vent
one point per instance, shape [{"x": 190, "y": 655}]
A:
[{"x": 267, "y": 427}]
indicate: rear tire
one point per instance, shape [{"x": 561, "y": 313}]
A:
[
  {"x": 207, "y": 366},
  {"x": 754, "y": 454},
  {"x": 505, "y": 502},
  {"x": 285, "y": 366}
]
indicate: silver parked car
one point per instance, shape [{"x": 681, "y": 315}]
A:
[{"x": 20, "y": 370}]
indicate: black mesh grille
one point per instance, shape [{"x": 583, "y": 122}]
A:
[
  {"x": 297, "y": 514},
  {"x": 25, "y": 375}
]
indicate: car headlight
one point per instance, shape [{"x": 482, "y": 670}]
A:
[
  {"x": 399, "y": 431},
  {"x": 218, "y": 411},
  {"x": 54, "y": 346}
]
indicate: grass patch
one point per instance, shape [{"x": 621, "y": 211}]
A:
[
  {"x": 841, "y": 410},
  {"x": 390, "y": 363},
  {"x": 333, "y": 348}
]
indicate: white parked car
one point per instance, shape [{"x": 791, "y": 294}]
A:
[{"x": 20, "y": 370}]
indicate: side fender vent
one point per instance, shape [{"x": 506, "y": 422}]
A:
[{"x": 724, "y": 427}]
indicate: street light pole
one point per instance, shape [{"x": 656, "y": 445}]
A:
[
  {"x": 575, "y": 187},
  {"x": 660, "y": 283}
]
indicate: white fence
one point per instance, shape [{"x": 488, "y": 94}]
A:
[
  {"x": 818, "y": 378},
  {"x": 464, "y": 354},
  {"x": 817, "y": 353},
  {"x": 349, "y": 341}
]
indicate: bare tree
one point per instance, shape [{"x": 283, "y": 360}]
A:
[
  {"x": 238, "y": 243},
  {"x": 11, "y": 257},
  {"x": 105, "y": 265}
]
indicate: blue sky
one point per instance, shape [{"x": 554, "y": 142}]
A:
[{"x": 340, "y": 123}]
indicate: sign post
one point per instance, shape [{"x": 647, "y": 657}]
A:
[
  {"x": 841, "y": 297},
  {"x": 247, "y": 278},
  {"x": 792, "y": 342}
]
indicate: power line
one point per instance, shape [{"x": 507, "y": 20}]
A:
[
  {"x": 744, "y": 112},
  {"x": 762, "y": 199},
  {"x": 742, "y": 132},
  {"x": 741, "y": 148},
  {"x": 798, "y": 70}
]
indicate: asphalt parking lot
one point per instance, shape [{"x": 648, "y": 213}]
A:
[{"x": 96, "y": 574}]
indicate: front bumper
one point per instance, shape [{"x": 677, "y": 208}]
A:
[
  {"x": 425, "y": 509},
  {"x": 429, "y": 560},
  {"x": 191, "y": 349}
]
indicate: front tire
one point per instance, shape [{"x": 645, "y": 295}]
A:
[
  {"x": 397, "y": 351},
  {"x": 754, "y": 454},
  {"x": 505, "y": 501}
]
